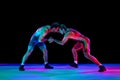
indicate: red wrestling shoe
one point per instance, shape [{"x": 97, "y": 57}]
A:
[{"x": 102, "y": 69}]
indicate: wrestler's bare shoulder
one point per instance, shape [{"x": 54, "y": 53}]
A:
[{"x": 43, "y": 27}]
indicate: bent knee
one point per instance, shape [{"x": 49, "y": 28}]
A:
[
  {"x": 87, "y": 55},
  {"x": 77, "y": 46}
]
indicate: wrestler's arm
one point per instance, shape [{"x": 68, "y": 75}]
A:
[
  {"x": 50, "y": 40},
  {"x": 64, "y": 40},
  {"x": 43, "y": 31},
  {"x": 44, "y": 40}
]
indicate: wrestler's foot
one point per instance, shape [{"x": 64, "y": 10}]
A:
[
  {"x": 74, "y": 65},
  {"x": 47, "y": 66},
  {"x": 21, "y": 68},
  {"x": 102, "y": 69}
]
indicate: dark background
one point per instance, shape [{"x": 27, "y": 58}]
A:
[{"x": 98, "y": 22}]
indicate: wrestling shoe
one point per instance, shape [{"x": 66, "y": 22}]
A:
[
  {"x": 74, "y": 65},
  {"x": 101, "y": 69},
  {"x": 21, "y": 68},
  {"x": 47, "y": 66}
]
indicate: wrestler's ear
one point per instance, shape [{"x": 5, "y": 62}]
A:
[
  {"x": 63, "y": 31},
  {"x": 57, "y": 29}
]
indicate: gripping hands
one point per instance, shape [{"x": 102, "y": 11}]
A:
[{"x": 50, "y": 40}]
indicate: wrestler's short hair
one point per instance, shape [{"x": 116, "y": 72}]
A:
[
  {"x": 62, "y": 26},
  {"x": 55, "y": 24}
]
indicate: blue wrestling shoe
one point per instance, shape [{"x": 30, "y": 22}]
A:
[
  {"x": 21, "y": 68},
  {"x": 74, "y": 65},
  {"x": 47, "y": 66}
]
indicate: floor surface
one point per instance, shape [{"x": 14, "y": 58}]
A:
[{"x": 60, "y": 72}]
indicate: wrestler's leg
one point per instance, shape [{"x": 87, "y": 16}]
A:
[
  {"x": 26, "y": 55},
  {"x": 30, "y": 48},
  {"x": 87, "y": 54},
  {"x": 75, "y": 48},
  {"x": 43, "y": 48}
]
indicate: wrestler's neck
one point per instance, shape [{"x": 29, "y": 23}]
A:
[
  {"x": 68, "y": 29},
  {"x": 48, "y": 29}
]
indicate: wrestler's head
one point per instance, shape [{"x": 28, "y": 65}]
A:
[
  {"x": 62, "y": 29},
  {"x": 55, "y": 27}
]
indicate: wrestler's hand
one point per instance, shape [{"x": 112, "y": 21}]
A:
[{"x": 50, "y": 40}]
